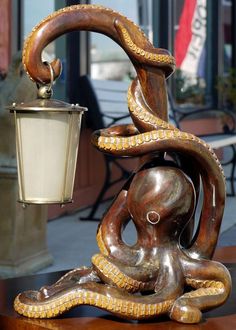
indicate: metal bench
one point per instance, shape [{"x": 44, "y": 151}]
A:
[{"x": 225, "y": 138}]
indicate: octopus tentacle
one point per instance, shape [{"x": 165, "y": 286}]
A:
[
  {"x": 83, "y": 17},
  {"x": 113, "y": 221},
  {"x": 112, "y": 274},
  {"x": 144, "y": 118},
  {"x": 110, "y": 298},
  {"x": 94, "y": 294},
  {"x": 74, "y": 277},
  {"x": 177, "y": 141},
  {"x": 212, "y": 284},
  {"x": 140, "y": 54},
  {"x": 100, "y": 242}
]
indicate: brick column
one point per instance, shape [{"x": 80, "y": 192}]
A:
[{"x": 5, "y": 35}]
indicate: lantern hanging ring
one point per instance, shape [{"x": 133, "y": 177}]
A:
[{"x": 45, "y": 91}]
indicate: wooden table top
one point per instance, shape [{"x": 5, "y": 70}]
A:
[{"x": 91, "y": 318}]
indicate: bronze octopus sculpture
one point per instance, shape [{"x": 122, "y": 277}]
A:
[{"x": 167, "y": 271}]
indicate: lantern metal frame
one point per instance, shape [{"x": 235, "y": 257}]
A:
[{"x": 42, "y": 106}]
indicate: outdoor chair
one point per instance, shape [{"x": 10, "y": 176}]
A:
[{"x": 223, "y": 137}]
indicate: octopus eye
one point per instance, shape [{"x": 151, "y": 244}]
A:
[{"x": 153, "y": 217}]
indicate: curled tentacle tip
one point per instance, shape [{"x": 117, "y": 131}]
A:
[
  {"x": 41, "y": 73},
  {"x": 141, "y": 50},
  {"x": 43, "y": 76},
  {"x": 57, "y": 67}
]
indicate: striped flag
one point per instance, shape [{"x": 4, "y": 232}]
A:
[{"x": 190, "y": 38}]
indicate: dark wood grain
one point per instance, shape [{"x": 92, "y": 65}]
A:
[{"x": 85, "y": 317}]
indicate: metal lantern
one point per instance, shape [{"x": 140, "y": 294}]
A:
[{"x": 47, "y": 139}]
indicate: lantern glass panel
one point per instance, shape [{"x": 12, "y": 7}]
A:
[{"x": 47, "y": 145}]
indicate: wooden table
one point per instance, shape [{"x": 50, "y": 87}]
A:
[{"x": 91, "y": 318}]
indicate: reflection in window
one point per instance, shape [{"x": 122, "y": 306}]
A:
[
  {"x": 34, "y": 12},
  {"x": 108, "y": 60},
  {"x": 227, "y": 75}
]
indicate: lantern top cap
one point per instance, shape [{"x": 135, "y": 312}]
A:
[{"x": 46, "y": 105}]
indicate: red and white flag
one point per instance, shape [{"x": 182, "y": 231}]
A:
[{"x": 190, "y": 37}]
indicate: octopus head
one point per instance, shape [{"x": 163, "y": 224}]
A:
[{"x": 161, "y": 197}]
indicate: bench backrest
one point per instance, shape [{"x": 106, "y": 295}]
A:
[{"x": 106, "y": 101}]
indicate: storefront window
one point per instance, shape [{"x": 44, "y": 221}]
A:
[
  {"x": 227, "y": 74},
  {"x": 34, "y": 12},
  {"x": 190, "y": 32},
  {"x": 108, "y": 60}
]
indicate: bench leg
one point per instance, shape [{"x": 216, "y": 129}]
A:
[{"x": 231, "y": 178}]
